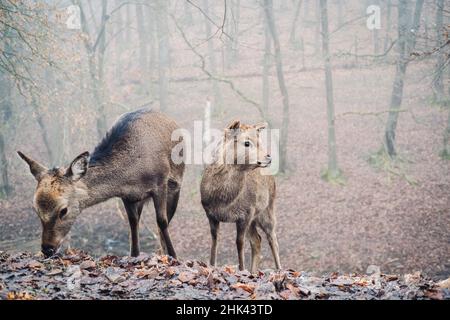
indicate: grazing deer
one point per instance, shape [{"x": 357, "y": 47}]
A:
[
  {"x": 236, "y": 191},
  {"x": 133, "y": 162}
]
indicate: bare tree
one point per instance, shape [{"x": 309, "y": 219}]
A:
[
  {"x": 405, "y": 44},
  {"x": 5, "y": 118},
  {"x": 293, "y": 34},
  {"x": 95, "y": 45},
  {"x": 267, "y": 62},
  {"x": 162, "y": 28},
  {"x": 270, "y": 20},
  {"x": 438, "y": 83},
  {"x": 143, "y": 55},
  {"x": 333, "y": 171},
  {"x": 218, "y": 100}
]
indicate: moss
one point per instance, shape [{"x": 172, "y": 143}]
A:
[
  {"x": 333, "y": 177},
  {"x": 393, "y": 166},
  {"x": 445, "y": 154}
]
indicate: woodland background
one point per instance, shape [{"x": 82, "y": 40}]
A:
[{"x": 364, "y": 117}]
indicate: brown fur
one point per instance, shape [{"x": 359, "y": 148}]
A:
[
  {"x": 240, "y": 194},
  {"x": 133, "y": 163}
]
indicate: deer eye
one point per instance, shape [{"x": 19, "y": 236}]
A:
[
  {"x": 247, "y": 143},
  {"x": 62, "y": 213}
]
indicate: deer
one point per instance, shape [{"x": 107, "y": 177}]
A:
[
  {"x": 234, "y": 190},
  {"x": 132, "y": 162}
]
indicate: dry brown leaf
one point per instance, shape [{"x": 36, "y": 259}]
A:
[
  {"x": 170, "y": 272},
  {"x": 186, "y": 276},
  {"x": 229, "y": 269},
  {"x": 296, "y": 274},
  {"x": 286, "y": 294},
  {"x": 164, "y": 259},
  {"x": 35, "y": 265},
  {"x": 444, "y": 284},
  {"x": 88, "y": 264},
  {"x": 146, "y": 273},
  {"x": 54, "y": 272},
  {"x": 19, "y": 296},
  {"x": 295, "y": 290},
  {"x": 204, "y": 271},
  {"x": 250, "y": 288},
  {"x": 434, "y": 294}
]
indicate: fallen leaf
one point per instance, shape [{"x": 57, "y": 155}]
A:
[
  {"x": 186, "y": 276},
  {"x": 164, "y": 259},
  {"x": 54, "y": 272},
  {"x": 146, "y": 273},
  {"x": 413, "y": 278},
  {"x": 19, "y": 296},
  {"x": 286, "y": 294},
  {"x": 229, "y": 269},
  {"x": 35, "y": 265},
  {"x": 445, "y": 284},
  {"x": 434, "y": 294},
  {"x": 250, "y": 288},
  {"x": 390, "y": 277},
  {"x": 88, "y": 264},
  {"x": 170, "y": 272}
]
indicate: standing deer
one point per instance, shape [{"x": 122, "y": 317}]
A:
[
  {"x": 236, "y": 191},
  {"x": 133, "y": 162}
]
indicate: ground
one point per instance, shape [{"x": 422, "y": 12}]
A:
[{"x": 75, "y": 275}]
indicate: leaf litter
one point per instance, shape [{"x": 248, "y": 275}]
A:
[{"x": 76, "y": 275}]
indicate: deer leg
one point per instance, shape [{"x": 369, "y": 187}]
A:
[
  {"x": 172, "y": 203},
  {"x": 160, "y": 202},
  {"x": 255, "y": 242},
  {"x": 269, "y": 230},
  {"x": 134, "y": 210},
  {"x": 214, "y": 226},
  {"x": 241, "y": 227}
]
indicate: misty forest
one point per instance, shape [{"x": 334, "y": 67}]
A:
[{"x": 359, "y": 91}]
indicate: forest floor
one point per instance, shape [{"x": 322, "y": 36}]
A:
[
  {"x": 395, "y": 216},
  {"x": 75, "y": 275}
]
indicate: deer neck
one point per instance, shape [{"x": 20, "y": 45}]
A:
[
  {"x": 96, "y": 186},
  {"x": 228, "y": 181}
]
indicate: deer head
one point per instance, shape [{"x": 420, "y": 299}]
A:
[
  {"x": 242, "y": 145},
  {"x": 56, "y": 199}
]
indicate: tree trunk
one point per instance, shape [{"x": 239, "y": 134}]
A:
[
  {"x": 333, "y": 170},
  {"x": 438, "y": 83},
  {"x": 151, "y": 39},
  {"x": 42, "y": 126},
  {"x": 142, "y": 43},
  {"x": 5, "y": 118},
  {"x": 376, "y": 32},
  {"x": 266, "y": 67},
  {"x": 232, "y": 23},
  {"x": 406, "y": 43},
  {"x": 446, "y": 150},
  {"x": 163, "y": 52},
  {"x": 317, "y": 29},
  {"x": 388, "y": 24},
  {"x": 340, "y": 12},
  {"x": 292, "y": 35},
  {"x": 218, "y": 100},
  {"x": 119, "y": 41},
  {"x": 101, "y": 117},
  {"x": 268, "y": 8}
]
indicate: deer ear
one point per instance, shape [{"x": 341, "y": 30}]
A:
[
  {"x": 78, "y": 167},
  {"x": 261, "y": 126},
  {"x": 37, "y": 169},
  {"x": 234, "y": 125}
]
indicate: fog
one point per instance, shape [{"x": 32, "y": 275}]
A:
[{"x": 358, "y": 92}]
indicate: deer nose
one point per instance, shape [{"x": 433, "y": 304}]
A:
[{"x": 48, "y": 250}]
